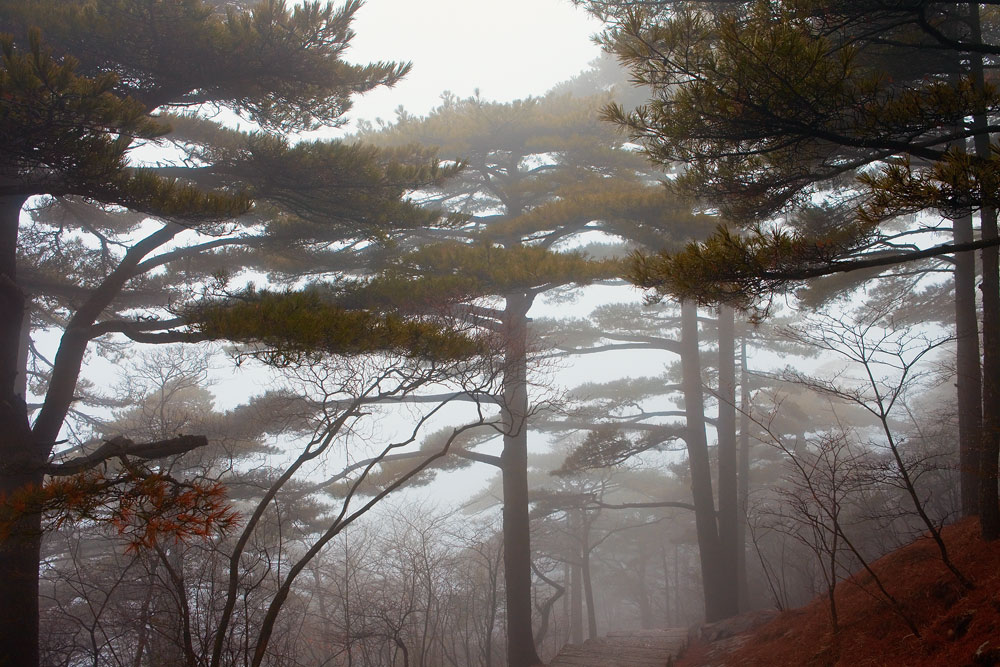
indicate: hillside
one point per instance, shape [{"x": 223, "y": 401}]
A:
[{"x": 957, "y": 628}]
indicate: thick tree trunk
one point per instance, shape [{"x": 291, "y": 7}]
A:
[
  {"x": 23, "y": 346},
  {"x": 20, "y": 553},
  {"x": 969, "y": 372},
  {"x": 726, "y": 430},
  {"x": 514, "y": 464},
  {"x": 12, "y": 300},
  {"x": 716, "y": 605},
  {"x": 20, "y": 465},
  {"x": 25, "y": 449},
  {"x": 989, "y": 505}
]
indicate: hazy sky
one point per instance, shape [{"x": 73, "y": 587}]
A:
[{"x": 509, "y": 49}]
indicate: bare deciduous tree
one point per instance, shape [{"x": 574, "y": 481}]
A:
[{"x": 886, "y": 363}]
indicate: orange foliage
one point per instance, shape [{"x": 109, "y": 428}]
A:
[{"x": 143, "y": 506}]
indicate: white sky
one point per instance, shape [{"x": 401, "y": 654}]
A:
[{"x": 509, "y": 49}]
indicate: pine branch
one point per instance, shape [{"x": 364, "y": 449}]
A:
[
  {"x": 121, "y": 446},
  {"x": 885, "y": 260}
]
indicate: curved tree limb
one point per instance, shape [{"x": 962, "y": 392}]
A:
[{"x": 122, "y": 446}]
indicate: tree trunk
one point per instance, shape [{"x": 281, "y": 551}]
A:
[
  {"x": 642, "y": 593},
  {"x": 716, "y": 607},
  {"x": 144, "y": 616},
  {"x": 23, "y": 346},
  {"x": 575, "y": 584},
  {"x": 514, "y": 464},
  {"x": 20, "y": 551},
  {"x": 668, "y": 616},
  {"x": 588, "y": 590},
  {"x": 677, "y": 584},
  {"x": 183, "y": 644},
  {"x": 12, "y": 300},
  {"x": 25, "y": 449},
  {"x": 726, "y": 430},
  {"x": 969, "y": 372},
  {"x": 989, "y": 507},
  {"x": 743, "y": 481},
  {"x": 20, "y": 465}
]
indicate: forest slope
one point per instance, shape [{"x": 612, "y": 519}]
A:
[{"x": 957, "y": 628}]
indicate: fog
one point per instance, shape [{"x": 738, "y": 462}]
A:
[{"x": 439, "y": 379}]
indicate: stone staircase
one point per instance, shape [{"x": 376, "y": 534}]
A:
[{"x": 636, "y": 648}]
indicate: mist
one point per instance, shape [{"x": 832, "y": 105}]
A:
[{"x": 628, "y": 344}]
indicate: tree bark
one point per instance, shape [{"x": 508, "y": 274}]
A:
[
  {"x": 989, "y": 505},
  {"x": 968, "y": 370},
  {"x": 20, "y": 465},
  {"x": 701, "y": 471},
  {"x": 23, "y": 346},
  {"x": 12, "y": 300},
  {"x": 743, "y": 481},
  {"x": 514, "y": 464},
  {"x": 726, "y": 430}
]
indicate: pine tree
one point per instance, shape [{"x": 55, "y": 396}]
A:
[
  {"x": 81, "y": 84},
  {"x": 537, "y": 174},
  {"x": 779, "y": 102}
]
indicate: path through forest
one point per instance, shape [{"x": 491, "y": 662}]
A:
[{"x": 638, "y": 648}]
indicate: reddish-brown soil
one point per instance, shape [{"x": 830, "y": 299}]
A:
[{"x": 957, "y": 628}]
